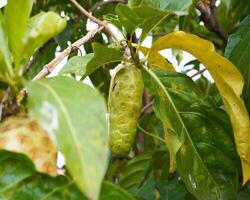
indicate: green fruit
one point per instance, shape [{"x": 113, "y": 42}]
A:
[{"x": 125, "y": 101}]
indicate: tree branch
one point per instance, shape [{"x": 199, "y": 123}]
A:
[
  {"x": 209, "y": 17},
  {"x": 102, "y": 3},
  {"x": 47, "y": 69},
  {"x": 198, "y": 73},
  {"x": 94, "y": 19}
]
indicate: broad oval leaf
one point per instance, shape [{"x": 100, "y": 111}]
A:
[
  {"x": 75, "y": 114},
  {"x": 228, "y": 80},
  {"x": 19, "y": 181},
  {"x": 205, "y": 154}
]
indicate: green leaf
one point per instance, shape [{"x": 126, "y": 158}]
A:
[
  {"x": 203, "y": 136},
  {"x": 5, "y": 55},
  {"x": 75, "y": 114},
  {"x": 77, "y": 65},
  {"x": 174, "y": 189},
  {"x": 111, "y": 191},
  {"x": 102, "y": 56},
  {"x": 144, "y": 17},
  {"x": 127, "y": 17},
  {"x": 228, "y": 80},
  {"x": 151, "y": 19},
  {"x": 40, "y": 29},
  {"x": 16, "y": 14},
  {"x": 133, "y": 173},
  {"x": 179, "y": 7},
  {"x": 237, "y": 51},
  {"x": 19, "y": 181}
]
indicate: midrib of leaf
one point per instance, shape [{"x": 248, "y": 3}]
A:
[
  {"x": 71, "y": 127},
  {"x": 182, "y": 123}
]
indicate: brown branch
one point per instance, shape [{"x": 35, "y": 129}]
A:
[
  {"x": 47, "y": 69},
  {"x": 198, "y": 73},
  {"x": 209, "y": 17},
  {"x": 102, "y": 3},
  {"x": 4, "y": 102},
  {"x": 147, "y": 107},
  {"x": 94, "y": 19}
]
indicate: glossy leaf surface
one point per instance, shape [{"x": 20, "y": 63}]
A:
[
  {"x": 229, "y": 82},
  {"x": 204, "y": 148}
]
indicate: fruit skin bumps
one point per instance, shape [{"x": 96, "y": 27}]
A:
[
  {"x": 22, "y": 134},
  {"x": 125, "y": 101}
]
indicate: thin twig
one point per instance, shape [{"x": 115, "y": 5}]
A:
[
  {"x": 94, "y": 19},
  {"x": 102, "y": 3},
  {"x": 198, "y": 73},
  {"x": 4, "y": 102},
  {"x": 150, "y": 134},
  {"x": 209, "y": 17},
  {"x": 50, "y": 66},
  {"x": 146, "y": 107}
]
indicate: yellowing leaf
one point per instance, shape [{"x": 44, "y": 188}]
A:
[
  {"x": 228, "y": 80},
  {"x": 23, "y": 135},
  {"x": 157, "y": 61}
]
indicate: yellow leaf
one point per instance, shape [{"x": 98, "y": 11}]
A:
[
  {"x": 228, "y": 80},
  {"x": 23, "y": 135},
  {"x": 173, "y": 143},
  {"x": 157, "y": 61}
]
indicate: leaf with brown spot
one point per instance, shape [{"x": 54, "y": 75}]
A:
[{"x": 228, "y": 80}]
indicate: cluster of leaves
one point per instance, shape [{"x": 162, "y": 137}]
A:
[{"x": 194, "y": 143}]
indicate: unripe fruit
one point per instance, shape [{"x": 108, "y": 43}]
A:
[
  {"x": 125, "y": 101},
  {"x": 24, "y": 135}
]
